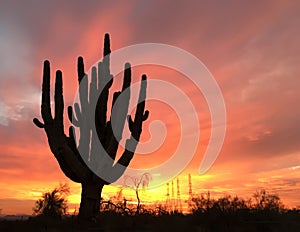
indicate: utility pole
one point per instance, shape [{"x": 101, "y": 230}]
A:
[
  {"x": 179, "y": 206},
  {"x": 168, "y": 203}
]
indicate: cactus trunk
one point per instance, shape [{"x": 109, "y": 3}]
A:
[{"x": 90, "y": 200}]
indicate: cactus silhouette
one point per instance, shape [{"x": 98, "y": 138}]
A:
[{"x": 77, "y": 160}]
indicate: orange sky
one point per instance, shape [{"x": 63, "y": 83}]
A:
[{"x": 252, "y": 50}]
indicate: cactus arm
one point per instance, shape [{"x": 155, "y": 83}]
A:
[
  {"x": 46, "y": 110},
  {"x": 140, "y": 114},
  {"x": 59, "y": 102},
  {"x": 105, "y": 81},
  {"x": 72, "y": 118},
  {"x": 58, "y": 141},
  {"x": 135, "y": 127},
  {"x": 114, "y": 135},
  {"x": 80, "y": 69}
]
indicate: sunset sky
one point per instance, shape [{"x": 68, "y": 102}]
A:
[{"x": 250, "y": 47}]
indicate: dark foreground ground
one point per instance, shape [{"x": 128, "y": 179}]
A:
[{"x": 260, "y": 221}]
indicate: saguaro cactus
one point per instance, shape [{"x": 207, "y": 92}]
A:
[{"x": 75, "y": 161}]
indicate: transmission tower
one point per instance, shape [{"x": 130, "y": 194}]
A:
[
  {"x": 190, "y": 186},
  {"x": 179, "y": 206},
  {"x": 173, "y": 198},
  {"x": 190, "y": 192},
  {"x": 168, "y": 203}
]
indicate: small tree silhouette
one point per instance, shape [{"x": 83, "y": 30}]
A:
[
  {"x": 54, "y": 203},
  {"x": 267, "y": 201},
  {"x": 91, "y": 118},
  {"x": 136, "y": 183}
]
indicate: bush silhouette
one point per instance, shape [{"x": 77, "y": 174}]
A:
[{"x": 53, "y": 203}]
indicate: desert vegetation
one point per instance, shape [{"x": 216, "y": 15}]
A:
[
  {"x": 262, "y": 212},
  {"x": 53, "y": 203}
]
